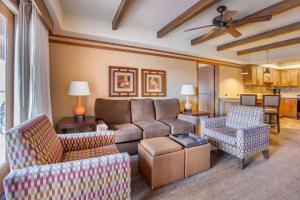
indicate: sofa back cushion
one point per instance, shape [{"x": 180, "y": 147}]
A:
[
  {"x": 113, "y": 111},
  {"x": 244, "y": 116},
  {"x": 33, "y": 142},
  {"x": 142, "y": 110},
  {"x": 166, "y": 108}
]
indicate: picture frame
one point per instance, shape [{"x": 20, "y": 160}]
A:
[
  {"x": 123, "y": 81},
  {"x": 154, "y": 83}
]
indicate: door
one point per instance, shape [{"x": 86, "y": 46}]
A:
[
  {"x": 6, "y": 79},
  {"x": 206, "y": 86}
]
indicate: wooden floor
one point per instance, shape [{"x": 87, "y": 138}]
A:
[{"x": 277, "y": 178}]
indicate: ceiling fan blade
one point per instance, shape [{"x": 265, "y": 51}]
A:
[
  {"x": 252, "y": 20},
  {"x": 191, "y": 29},
  {"x": 228, "y": 15},
  {"x": 210, "y": 33},
  {"x": 232, "y": 31}
]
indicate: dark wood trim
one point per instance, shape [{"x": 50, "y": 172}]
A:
[
  {"x": 274, "y": 9},
  {"x": 163, "y": 74},
  {"x": 268, "y": 34},
  {"x": 194, "y": 10},
  {"x": 12, "y": 5},
  {"x": 123, "y": 8},
  {"x": 112, "y": 92},
  {"x": 60, "y": 39},
  {"x": 45, "y": 15},
  {"x": 275, "y": 45}
]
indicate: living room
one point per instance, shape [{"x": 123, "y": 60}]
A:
[{"x": 130, "y": 99}]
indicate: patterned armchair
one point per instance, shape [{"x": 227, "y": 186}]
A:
[
  {"x": 242, "y": 133},
  {"x": 45, "y": 165}
]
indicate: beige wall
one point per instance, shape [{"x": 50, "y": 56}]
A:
[
  {"x": 230, "y": 82},
  {"x": 69, "y": 63}
]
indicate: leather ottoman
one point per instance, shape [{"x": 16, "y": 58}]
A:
[
  {"x": 161, "y": 161},
  {"x": 197, "y": 159}
]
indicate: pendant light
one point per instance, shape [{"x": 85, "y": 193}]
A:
[
  {"x": 267, "y": 71},
  {"x": 244, "y": 69}
]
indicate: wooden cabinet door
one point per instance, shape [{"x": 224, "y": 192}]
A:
[
  {"x": 268, "y": 79},
  {"x": 288, "y": 108},
  {"x": 276, "y": 77},
  {"x": 293, "y": 77},
  {"x": 260, "y": 76},
  {"x": 247, "y": 78},
  {"x": 284, "y": 78}
]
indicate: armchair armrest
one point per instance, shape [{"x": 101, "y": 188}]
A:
[
  {"x": 253, "y": 139},
  {"x": 88, "y": 140},
  {"x": 106, "y": 177},
  {"x": 213, "y": 122},
  {"x": 101, "y": 126}
]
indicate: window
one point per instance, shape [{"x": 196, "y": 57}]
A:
[{"x": 6, "y": 78}]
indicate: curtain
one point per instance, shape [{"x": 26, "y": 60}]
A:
[
  {"x": 32, "y": 84},
  {"x": 39, "y": 93},
  {"x": 22, "y": 63}
]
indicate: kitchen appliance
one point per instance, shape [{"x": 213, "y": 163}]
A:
[
  {"x": 276, "y": 91},
  {"x": 298, "y": 106}
]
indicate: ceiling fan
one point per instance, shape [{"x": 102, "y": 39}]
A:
[{"x": 225, "y": 22}]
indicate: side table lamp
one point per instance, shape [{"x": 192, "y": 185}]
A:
[
  {"x": 187, "y": 90},
  {"x": 79, "y": 89}
]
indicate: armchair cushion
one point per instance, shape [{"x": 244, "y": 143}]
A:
[
  {"x": 33, "y": 142},
  {"x": 153, "y": 128},
  {"x": 90, "y": 153},
  {"x": 223, "y": 134},
  {"x": 126, "y": 132},
  {"x": 106, "y": 177},
  {"x": 179, "y": 126},
  {"x": 88, "y": 140}
]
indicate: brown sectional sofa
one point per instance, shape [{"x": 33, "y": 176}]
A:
[{"x": 137, "y": 119}]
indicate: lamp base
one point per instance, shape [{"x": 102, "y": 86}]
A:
[
  {"x": 187, "y": 110},
  {"x": 79, "y": 118}
]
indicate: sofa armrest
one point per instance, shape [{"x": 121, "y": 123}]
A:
[
  {"x": 213, "y": 122},
  {"x": 101, "y": 126},
  {"x": 106, "y": 177},
  {"x": 188, "y": 118},
  {"x": 253, "y": 139},
  {"x": 87, "y": 140}
]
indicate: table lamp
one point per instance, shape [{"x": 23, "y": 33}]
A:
[
  {"x": 187, "y": 90},
  {"x": 79, "y": 89}
]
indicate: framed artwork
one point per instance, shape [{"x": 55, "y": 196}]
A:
[
  {"x": 123, "y": 81},
  {"x": 154, "y": 83}
]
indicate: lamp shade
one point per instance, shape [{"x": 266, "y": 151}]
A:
[
  {"x": 187, "y": 90},
  {"x": 79, "y": 88}
]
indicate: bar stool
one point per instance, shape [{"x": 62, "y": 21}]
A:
[
  {"x": 248, "y": 99},
  {"x": 271, "y": 105}
]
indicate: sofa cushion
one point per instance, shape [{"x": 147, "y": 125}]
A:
[
  {"x": 33, "y": 142},
  {"x": 240, "y": 117},
  {"x": 113, "y": 111},
  {"x": 90, "y": 153},
  {"x": 153, "y": 128},
  {"x": 126, "y": 132},
  {"x": 179, "y": 126},
  {"x": 160, "y": 145},
  {"x": 166, "y": 108},
  {"x": 142, "y": 110},
  {"x": 223, "y": 134}
]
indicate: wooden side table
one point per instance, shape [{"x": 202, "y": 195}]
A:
[
  {"x": 65, "y": 124},
  {"x": 197, "y": 116}
]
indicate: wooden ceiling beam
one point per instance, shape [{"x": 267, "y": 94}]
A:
[
  {"x": 123, "y": 8},
  {"x": 196, "y": 9},
  {"x": 275, "y": 45},
  {"x": 268, "y": 34},
  {"x": 274, "y": 9}
]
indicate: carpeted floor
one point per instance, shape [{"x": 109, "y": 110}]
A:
[{"x": 277, "y": 178}]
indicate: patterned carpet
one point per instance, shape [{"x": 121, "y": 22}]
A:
[{"x": 277, "y": 178}]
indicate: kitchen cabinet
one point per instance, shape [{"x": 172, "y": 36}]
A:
[
  {"x": 288, "y": 108},
  {"x": 260, "y": 76},
  {"x": 284, "y": 78},
  {"x": 275, "y": 74},
  {"x": 293, "y": 76},
  {"x": 250, "y": 78}
]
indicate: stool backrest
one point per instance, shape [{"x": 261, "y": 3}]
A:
[
  {"x": 271, "y": 101},
  {"x": 248, "y": 99}
]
